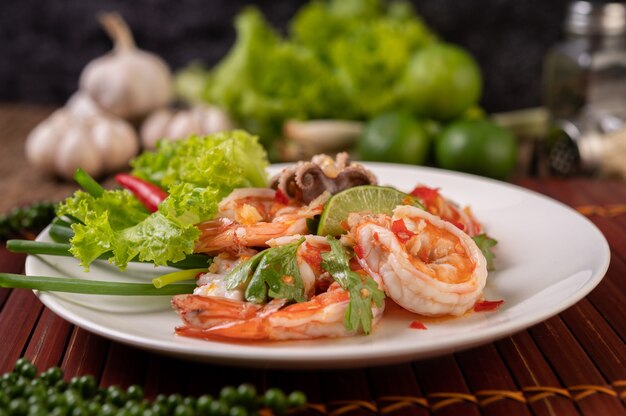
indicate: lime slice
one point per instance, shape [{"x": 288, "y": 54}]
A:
[{"x": 367, "y": 198}]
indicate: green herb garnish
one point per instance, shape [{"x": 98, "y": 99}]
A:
[
  {"x": 363, "y": 291},
  {"x": 273, "y": 272},
  {"x": 485, "y": 244}
]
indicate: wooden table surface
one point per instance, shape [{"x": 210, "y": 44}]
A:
[{"x": 573, "y": 363}]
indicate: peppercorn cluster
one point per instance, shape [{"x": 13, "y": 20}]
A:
[
  {"x": 22, "y": 393},
  {"x": 32, "y": 218}
]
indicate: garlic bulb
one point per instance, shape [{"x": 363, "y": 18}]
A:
[
  {"x": 127, "y": 82},
  {"x": 174, "y": 125},
  {"x": 65, "y": 141}
]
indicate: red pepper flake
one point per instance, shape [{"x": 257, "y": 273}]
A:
[
  {"x": 358, "y": 250},
  {"x": 376, "y": 237},
  {"x": 487, "y": 305},
  {"x": 280, "y": 197},
  {"x": 417, "y": 325},
  {"x": 398, "y": 227},
  {"x": 344, "y": 225},
  {"x": 459, "y": 225},
  {"x": 312, "y": 255},
  {"x": 426, "y": 194},
  {"x": 199, "y": 275}
]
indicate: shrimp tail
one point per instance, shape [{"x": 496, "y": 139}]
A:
[{"x": 208, "y": 311}]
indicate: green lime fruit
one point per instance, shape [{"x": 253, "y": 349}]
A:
[
  {"x": 366, "y": 198},
  {"x": 441, "y": 81},
  {"x": 395, "y": 137},
  {"x": 477, "y": 146}
]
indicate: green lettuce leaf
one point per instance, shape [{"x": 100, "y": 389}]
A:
[
  {"x": 197, "y": 172},
  {"x": 116, "y": 222}
]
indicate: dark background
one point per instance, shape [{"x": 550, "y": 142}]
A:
[{"x": 45, "y": 44}]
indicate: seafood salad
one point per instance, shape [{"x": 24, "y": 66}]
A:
[
  {"x": 319, "y": 250},
  {"x": 274, "y": 276}
]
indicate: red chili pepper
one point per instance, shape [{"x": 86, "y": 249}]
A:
[
  {"x": 280, "y": 197},
  {"x": 417, "y": 325},
  {"x": 428, "y": 195},
  {"x": 358, "y": 250},
  {"x": 398, "y": 227},
  {"x": 487, "y": 305},
  {"x": 146, "y": 192}
]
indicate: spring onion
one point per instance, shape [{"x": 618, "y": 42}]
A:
[
  {"x": 192, "y": 261},
  {"x": 93, "y": 287},
  {"x": 168, "y": 279},
  {"x": 88, "y": 183}
]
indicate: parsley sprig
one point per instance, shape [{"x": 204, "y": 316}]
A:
[{"x": 363, "y": 290}]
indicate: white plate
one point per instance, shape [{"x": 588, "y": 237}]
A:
[{"x": 548, "y": 258}]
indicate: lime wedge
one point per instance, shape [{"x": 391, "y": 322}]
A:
[{"x": 367, "y": 198}]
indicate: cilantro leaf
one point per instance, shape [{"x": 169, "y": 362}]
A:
[
  {"x": 363, "y": 291},
  {"x": 273, "y": 272},
  {"x": 485, "y": 244}
]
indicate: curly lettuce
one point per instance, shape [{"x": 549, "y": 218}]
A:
[{"x": 197, "y": 173}]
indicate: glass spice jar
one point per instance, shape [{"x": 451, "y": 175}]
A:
[{"x": 584, "y": 84}]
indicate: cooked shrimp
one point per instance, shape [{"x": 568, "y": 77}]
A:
[
  {"x": 321, "y": 316},
  {"x": 437, "y": 205},
  {"x": 213, "y": 282},
  {"x": 251, "y": 217},
  {"x": 427, "y": 265}
]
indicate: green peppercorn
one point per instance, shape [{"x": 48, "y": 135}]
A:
[
  {"x": 51, "y": 376},
  {"x": 37, "y": 409},
  {"x": 218, "y": 408},
  {"x": 229, "y": 395},
  {"x": 108, "y": 409},
  {"x": 115, "y": 395},
  {"x": 183, "y": 410},
  {"x": 79, "y": 411},
  {"x": 203, "y": 403},
  {"x": 296, "y": 399},
  {"x": 18, "y": 407},
  {"x": 93, "y": 408},
  {"x": 159, "y": 409},
  {"x": 275, "y": 399},
  {"x": 246, "y": 393},
  {"x": 134, "y": 392},
  {"x": 59, "y": 411},
  {"x": 238, "y": 411},
  {"x": 25, "y": 368}
]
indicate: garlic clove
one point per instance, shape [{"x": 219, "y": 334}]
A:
[
  {"x": 76, "y": 150},
  {"x": 155, "y": 127},
  {"x": 42, "y": 142},
  {"x": 115, "y": 141},
  {"x": 81, "y": 105}
]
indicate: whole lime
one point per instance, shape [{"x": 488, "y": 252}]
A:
[
  {"x": 441, "y": 81},
  {"x": 396, "y": 137},
  {"x": 477, "y": 146}
]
